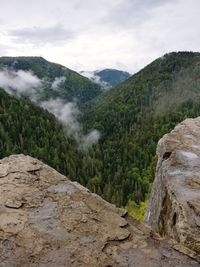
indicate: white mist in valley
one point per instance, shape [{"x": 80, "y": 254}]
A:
[
  {"x": 24, "y": 83},
  {"x": 68, "y": 114},
  {"x": 58, "y": 81},
  {"x": 19, "y": 82},
  {"x": 92, "y": 75}
]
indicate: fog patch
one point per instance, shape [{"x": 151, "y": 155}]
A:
[
  {"x": 19, "y": 82},
  {"x": 93, "y": 76},
  {"x": 68, "y": 114},
  {"x": 58, "y": 81},
  {"x": 90, "y": 139}
]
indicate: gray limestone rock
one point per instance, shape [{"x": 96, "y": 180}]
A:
[
  {"x": 47, "y": 220},
  {"x": 174, "y": 208}
]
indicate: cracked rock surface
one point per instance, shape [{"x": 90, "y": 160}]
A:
[
  {"x": 174, "y": 209},
  {"x": 47, "y": 220}
]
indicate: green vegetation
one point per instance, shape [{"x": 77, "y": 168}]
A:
[
  {"x": 27, "y": 129},
  {"x": 136, "y": 210},
  {"x": 132, "y": 118},
  {"x": 73, "y": 87}
]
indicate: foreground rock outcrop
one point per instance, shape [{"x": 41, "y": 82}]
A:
[
  {"x": 174, "y": 208},
  {"x": 47, "y": 220}
]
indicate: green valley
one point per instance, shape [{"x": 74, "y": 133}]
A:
[{"x": 131, "y": 118}]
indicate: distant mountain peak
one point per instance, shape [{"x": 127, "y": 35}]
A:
[{"x": 107, "y": 77}]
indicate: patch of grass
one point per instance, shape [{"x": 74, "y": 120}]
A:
[{"x": 135, "y": 210}]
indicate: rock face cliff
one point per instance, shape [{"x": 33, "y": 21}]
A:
[
  {"x": 47, "y": 220},
  {"x": 174, "y": 208}
]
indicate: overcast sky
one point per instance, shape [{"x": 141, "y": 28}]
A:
[{"x": 96, "y": 34}]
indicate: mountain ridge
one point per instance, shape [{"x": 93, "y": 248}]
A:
[{"x": 72, "y": 84}]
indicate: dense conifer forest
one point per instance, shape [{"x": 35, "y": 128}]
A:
[
  {"x": 131, "y": 117},
  {"x": 28, "y": 129}
]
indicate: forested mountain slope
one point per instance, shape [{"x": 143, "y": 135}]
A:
[
  {"x": 28, "y": 129},
  {"x": 132, "y": 117},
  {"x": 57, "y": 80}
]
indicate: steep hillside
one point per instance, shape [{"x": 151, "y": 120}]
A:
[
  {"x": 132, "y": 117},
  {"x": 25, "y": 128},
  {"x": 57, "y": 80}
]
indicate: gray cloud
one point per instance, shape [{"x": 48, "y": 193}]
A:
[
  {"x": 92, "y": 34},
  {"x": 55, "y": 34},
  {"x": 132, "y": 12}
]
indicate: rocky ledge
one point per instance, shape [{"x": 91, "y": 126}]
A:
[
  {"x": 174, "y": 208},
  {"x": 47, "y": 220}
]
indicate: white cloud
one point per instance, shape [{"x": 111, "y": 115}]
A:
[
  {"x": 19, "y": 82},
  {"x": 94, "y": 77},
  {"x": 92, "y": 34},
  {"x": 67, "y": 113}
]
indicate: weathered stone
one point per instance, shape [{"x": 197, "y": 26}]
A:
[
  {"x": 13, "y": 203},
  {"x": 47, "y": 220},
  {"x": 174, "y": 208}
]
